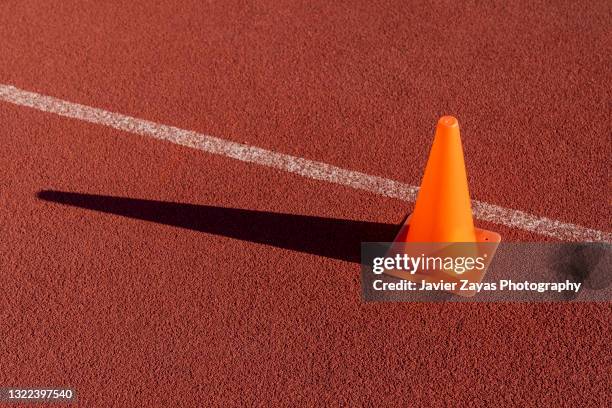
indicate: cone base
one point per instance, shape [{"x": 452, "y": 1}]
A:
[{"x": 490, "y": 238}]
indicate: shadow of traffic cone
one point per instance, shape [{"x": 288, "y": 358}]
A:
[{"x": 442, "y": 222}]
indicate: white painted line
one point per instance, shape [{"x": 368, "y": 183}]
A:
[{"x": 292, "y": 164}]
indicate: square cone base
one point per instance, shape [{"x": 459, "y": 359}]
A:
[{"x": 485, "y": 246}]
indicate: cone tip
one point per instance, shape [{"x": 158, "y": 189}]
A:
[{"x": 448, "y": 121}]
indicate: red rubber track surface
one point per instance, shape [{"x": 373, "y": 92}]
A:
[{"x": 137, "y": 313}]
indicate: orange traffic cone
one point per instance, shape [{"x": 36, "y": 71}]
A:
[
  {"x": 442, "y": 223},
  {"x": 443, "y": 211}
]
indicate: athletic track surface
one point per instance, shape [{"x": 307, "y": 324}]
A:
[{"x": 196, "y": 271}]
